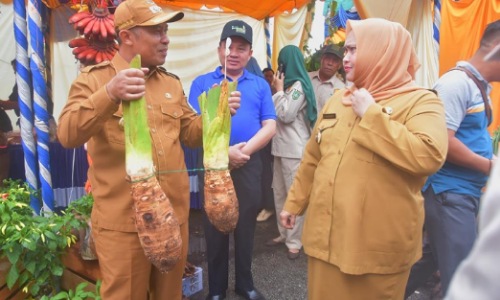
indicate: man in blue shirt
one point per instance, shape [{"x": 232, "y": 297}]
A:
[
  {"x": 452, "y": 194},
  {"x": 251, "y": 129}
]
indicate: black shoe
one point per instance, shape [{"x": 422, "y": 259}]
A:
[
  {"x": 216, "y": 297},
  {"x": 293, "y": 255},
  {"x": 250, "y": 295}
]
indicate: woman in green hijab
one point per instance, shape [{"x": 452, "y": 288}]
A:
[{"x": 296, "y": 111}]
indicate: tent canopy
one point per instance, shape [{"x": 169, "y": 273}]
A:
[{"x": 256, "y": 9}]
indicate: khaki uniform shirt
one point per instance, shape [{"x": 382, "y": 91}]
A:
[
  {"x": 360, "y": 181},
  {"x": 324, "y": 89},
  {"x": 292, "y": 126},
  {"x": 91, "y": 116}
]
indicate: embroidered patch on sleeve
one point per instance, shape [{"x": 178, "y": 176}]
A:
[{"x": 296, "y": 94}]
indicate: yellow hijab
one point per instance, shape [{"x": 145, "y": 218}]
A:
[{"x": 385, "y": 59}]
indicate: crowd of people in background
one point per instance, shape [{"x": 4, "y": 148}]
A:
[{"x": 377, "y": 180}]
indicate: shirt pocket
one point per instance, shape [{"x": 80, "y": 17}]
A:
[
  {"x": 115, "y": 130},
  {"x": 171, "y": 120},
  {"x": 325, "y": 135}
]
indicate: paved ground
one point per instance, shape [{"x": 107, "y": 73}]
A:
[{"x": 277, "y": 277}]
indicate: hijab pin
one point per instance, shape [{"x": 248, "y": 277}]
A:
[
  {"x": 388, "y": 110},
  {"x": 318, "y": 137}
]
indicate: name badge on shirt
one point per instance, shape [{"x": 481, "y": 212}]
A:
[{"x": 329, "y": 116}]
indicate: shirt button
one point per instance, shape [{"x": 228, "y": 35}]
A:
[
  {"x": 175, "y": 114},
  {"x": 153, "y": 130},
  {"x": 160, "y": 152},
  {"x": 149, "y": 106}
]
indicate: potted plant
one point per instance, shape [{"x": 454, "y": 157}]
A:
[{"x": 33, "y": 244}]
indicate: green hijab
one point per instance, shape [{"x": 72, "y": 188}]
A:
[{"x": 295, "y": 70}]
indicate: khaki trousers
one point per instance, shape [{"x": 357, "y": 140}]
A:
[
  {"x": 326, "y": 281},
  {"x": 283, "y": 175},
  {"x": 128, "y": 274}
]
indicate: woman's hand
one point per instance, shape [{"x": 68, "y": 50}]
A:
[
  {"x": 361, "y": 99},
  {"x": 287, "y": 219},
  {"x": 278, "y": 81}
]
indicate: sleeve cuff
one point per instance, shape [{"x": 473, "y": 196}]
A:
[{"x": 103, "y": 104}]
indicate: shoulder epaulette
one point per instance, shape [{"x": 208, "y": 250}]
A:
[
  {"x": 163, "y": 70},
  {"x": 99, "y": 65}
]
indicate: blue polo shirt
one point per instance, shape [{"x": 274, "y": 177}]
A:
[
  {"x": 465, "y": 114},
  {"x": 256, "y": 102}
]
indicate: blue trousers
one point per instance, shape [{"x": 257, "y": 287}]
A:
[{"x": 451, "y": 226}]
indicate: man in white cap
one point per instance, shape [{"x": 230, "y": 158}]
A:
[{"x": 92, "y": 115}]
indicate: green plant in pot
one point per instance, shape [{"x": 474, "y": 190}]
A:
[{"x": 34, "y": 244}]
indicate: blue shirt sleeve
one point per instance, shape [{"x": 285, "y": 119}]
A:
[{"x": 195, "y": 91}]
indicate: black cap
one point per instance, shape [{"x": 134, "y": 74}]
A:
[
  {"x": 237, "y": 28},
  {"x": 334, "y": 49}
]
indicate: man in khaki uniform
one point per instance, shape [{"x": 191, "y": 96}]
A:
[
  {"x": 325, "y": 81},
  {"x": 93, "y": 114}
]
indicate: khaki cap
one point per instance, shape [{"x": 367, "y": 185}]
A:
[{"x": 131, "y": 13}]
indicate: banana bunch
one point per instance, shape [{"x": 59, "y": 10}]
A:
[
  {"x": 98, "y": 23},
  {"x": 92, "y": 51}
]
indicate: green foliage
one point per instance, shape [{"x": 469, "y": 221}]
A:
[
  {"x": 496, "y": 140},
  {"x": 82, "y": 206},
  {"x": 332, "y": 12},
  {"x": 34, "y": 244},
  {"x": 313, "y": 61},
  {"x": 78, "y": 294}
]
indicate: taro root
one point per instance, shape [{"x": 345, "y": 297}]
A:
[
  {"x": 155, "y": 220},
  {"x": 221, "y": 203}
]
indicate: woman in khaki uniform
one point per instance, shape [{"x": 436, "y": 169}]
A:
[{"x": 362, "y": 170}]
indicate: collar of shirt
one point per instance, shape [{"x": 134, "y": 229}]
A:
[
  {"x": 217, "y": 74},
  {"x": 331, "y": 80},
  {"x": 119, "y": 63},
  {"x": 476, "y": 73}
]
